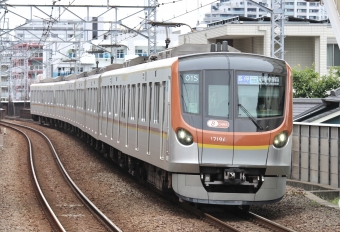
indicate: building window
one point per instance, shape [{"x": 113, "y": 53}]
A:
[
  {"x": 333, "y": 55},
  {"x": 289, "y": 10},
  {"x": 289, "y": 3},
  {"x": 313, "y": 11},
  {"x": 302, "y": 4},
  {"x": 141, "y": 52},
  {"x": 251, "y": 9},
  {"x": 120, "y": 54},
  {"x": 301, "y": 10}
]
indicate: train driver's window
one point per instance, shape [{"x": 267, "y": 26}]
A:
[
  {"x": 216, "y": 89},
  {"x": 190, "y": 94},
  {"x": 218, "y": 98}
]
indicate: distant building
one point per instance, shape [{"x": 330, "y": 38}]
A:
[
  {"x": 78, "y": 47},
  {"x": 225, "y": 9}
]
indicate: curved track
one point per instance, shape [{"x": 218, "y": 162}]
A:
[{"x": 67, "y": 208}]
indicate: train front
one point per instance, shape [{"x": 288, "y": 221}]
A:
[{"x": 231, "y": 128}]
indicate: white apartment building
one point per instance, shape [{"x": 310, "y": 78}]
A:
[
  {"x": 225, "y": 9},
  {"x": 76, "y": 47}
]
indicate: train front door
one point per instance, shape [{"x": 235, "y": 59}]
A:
[{"x": 217, "y": 141}]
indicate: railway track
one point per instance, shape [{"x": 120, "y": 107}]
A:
[
  {"x": 255, "y": 222},
  {"x": 67, "y": 208}
]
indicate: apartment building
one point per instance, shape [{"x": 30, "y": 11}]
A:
[{"x": 225, "y": 9}]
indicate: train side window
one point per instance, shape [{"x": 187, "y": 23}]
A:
[
  {"x": 116, "y": 101},
  {"x": 164, "y": 98},
  {"x": 103, "y": 99},
  {"x": 138, "y": 101},
  {"x": 150, "y": 100},
  {"x": 88, "y": 99},
  {"x": 133, "y": 102},
  {"x": 156, "y": 102},
  {"x": 94, "y": 100},
  {"x": 143, "y": 102},
  {"x": 128, "y": 101},
  {"x": 109, "y": 104},
  {"x": 122, "y": 102}
]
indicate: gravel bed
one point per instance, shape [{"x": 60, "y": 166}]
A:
[
  {"x": 133, "y": 207},
  {"x": 298, "y": 212},
  {"x": 19, "y": 208}
]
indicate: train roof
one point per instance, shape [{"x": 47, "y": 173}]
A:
[{"x": 151, "y": 65}]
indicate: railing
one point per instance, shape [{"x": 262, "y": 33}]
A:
[
  {"x": 36, "y": 67},
  {"x": 315, "y": 153}
]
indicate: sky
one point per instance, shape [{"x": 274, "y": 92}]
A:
[{"x": 169, "y": 10}]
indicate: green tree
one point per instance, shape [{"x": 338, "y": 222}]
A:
[{"x": 308, "y": 84}]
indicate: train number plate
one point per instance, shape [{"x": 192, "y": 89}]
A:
[{"x": 217, "y": 139}]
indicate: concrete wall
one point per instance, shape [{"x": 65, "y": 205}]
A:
[
  {"x": 15, "y": 108},
  {"x": 315, "y": 154},
  {"x": 299, "y": 50},
  {"x": 250, "y": 45}
]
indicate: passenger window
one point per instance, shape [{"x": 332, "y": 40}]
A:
[
  {"x": 133, "y": 102},
  {"x": 156, "y": 102},
  {"x": 110, "y": 101},
  {"x": 122, "y": 102},
  {"x": 143, "y": 102}
]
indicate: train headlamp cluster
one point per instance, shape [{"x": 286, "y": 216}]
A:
[
  {"x": 184, "y": 137},
  {"x": 281, "y": 139}
]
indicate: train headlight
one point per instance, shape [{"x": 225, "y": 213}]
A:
[
  {"x": 184, "y": 137},
  {"x": 280, "y": 140}
]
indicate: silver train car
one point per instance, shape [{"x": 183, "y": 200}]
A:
[{"x": 214, "y": 127}]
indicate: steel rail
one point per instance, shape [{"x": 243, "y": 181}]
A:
[
  {"x": 102, "y": 216},
  {"x": 38, "y": 191},
  {"x": 268, "y": 223}
]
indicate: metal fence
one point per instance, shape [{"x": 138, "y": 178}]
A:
[{"x": 315, "y": 153}]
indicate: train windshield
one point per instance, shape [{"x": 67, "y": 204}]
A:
[
  {"x": 260, "y": 95},
  {"x": 190, "y": 92}
]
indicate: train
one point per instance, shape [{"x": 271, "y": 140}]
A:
[{"x": 213, "y": 126}]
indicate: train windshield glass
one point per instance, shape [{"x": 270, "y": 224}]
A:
[
  {"x": 261, "y": 95},
  {"x": 190, "y": 94},
  {"x": 217, "y": 93}
]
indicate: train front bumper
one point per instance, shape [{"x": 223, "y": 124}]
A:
[{"x": 190, "y": 188}]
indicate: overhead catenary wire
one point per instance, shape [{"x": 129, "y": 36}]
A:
[{"x": 191, "y": 11}]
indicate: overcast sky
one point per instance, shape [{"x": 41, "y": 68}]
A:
[{"x": 165, "y": 12}]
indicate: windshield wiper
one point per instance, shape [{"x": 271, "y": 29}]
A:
[{"x": 251, "y": 117}]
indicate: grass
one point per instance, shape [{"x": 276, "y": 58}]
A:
[{"x": 335, "y": 201}]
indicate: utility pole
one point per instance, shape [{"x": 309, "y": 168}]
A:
[
  {"x": 152, "y": 33},
  {"x": 277, "y": 29}
]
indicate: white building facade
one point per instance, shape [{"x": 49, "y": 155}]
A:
[
  {"x": 225, "y": 9},
  {"x": 306, "y": 44}
]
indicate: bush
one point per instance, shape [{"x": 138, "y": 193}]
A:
[{"x": 308, "y": 84}]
